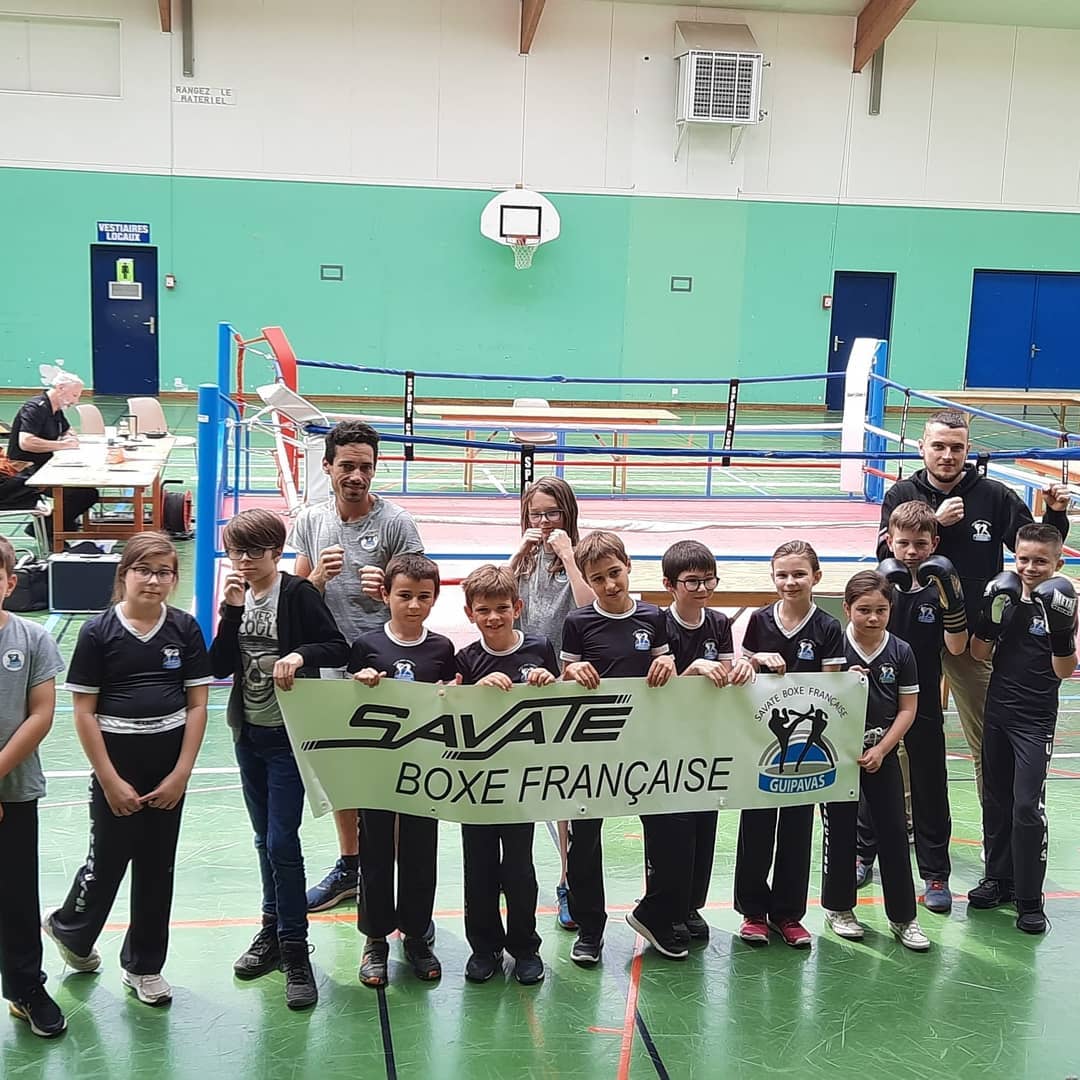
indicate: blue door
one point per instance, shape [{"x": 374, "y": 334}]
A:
[
  {"x": 862, "y": 307},
  {"x": 999, "y": 338},
  {"x": 1055, "y": 340},
  {"x": 124, "y": 319}
]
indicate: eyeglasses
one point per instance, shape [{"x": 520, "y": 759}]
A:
[
  {"x": 236, "y": 554},
  {"x": 146, "y": 573},
  {"x": 693, "y": 584},
  {"x": 536, "y": 516}
]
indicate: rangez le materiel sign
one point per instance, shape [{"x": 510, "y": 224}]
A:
[{"x": 482, "y": 755}]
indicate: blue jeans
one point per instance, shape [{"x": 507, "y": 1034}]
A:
[{"x": 274, "y": 794}]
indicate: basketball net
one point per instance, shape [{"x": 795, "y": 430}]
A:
[{"x": 523, "y": 253}]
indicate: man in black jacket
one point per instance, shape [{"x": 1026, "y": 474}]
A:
[{"x": 976, "y": 518}]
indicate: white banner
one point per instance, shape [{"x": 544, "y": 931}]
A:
[{"x": 482, "y": 755}]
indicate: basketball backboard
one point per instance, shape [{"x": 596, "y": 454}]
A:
[{"x": 521, "y": 219}]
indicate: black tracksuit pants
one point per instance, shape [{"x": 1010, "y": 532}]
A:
[
  {"x": 146, "y": 840},
  {"x": 1015, "y": 761},
  {"x": 930, "y": 813},
  {"x": 884, "y": 792},
  {"x": 678, "y": 866},
  {"x": 20, "y": 907},
  {"x": 500, "y": 858},
  {"x": 415, "y": 852},
  {"x": 787, "y": 832},
  {"x": 585, "y": 876}
]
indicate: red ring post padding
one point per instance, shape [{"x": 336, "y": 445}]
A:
[{"x": 286, "y": 361}]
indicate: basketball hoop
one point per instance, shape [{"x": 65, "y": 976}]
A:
[{"x": 523, "y": 252}]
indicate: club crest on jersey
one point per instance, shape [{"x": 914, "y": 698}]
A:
[
  {"x": 709, "y": 650},
  {"x": 1038, "y": 626},
  {"x": 642, "y": 640},
  {"x": 170, "y": 657},
  {"x": 887, "y": 673},
  {"x": 14, "y": 659},
  {"x": 927, "y": 613},
  {"x": 806, "y": 650},
  {"x": 980, "y": 530},
  {"x": 404, "y": 670},
  {"x": 370, "y": 542},
  {"x": 524, "y": 670}
]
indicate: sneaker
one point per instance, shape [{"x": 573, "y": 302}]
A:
[
  {"x": 90, "y": 962},
  {"x": 40, "y": 1012},
  {"x": 300, "y": 989},
  {"x": 697, "y": 927},
  {"x": 482, "y": 966},
  {"x": 1030, "y": 916},
  {"x": 864, "y": 872},
  {"x": 938, "y": 897},
  {"x": 990, "y": 893},
  {"x": 792, "y": 931},
  {"x": 845, "y": 925},
  {"x": 529, "y": 969},
  {"x": 754, "y": 930},
  {"x": 681, "y": 933},
  {"x": 425, "y": 963},
  {"x": 586, "y": 949},
  {"x": 263, "y": 955},
  {"x": 910, "y": 935},
  {"x": 562, "y": 898},
  {"x": 662, "y": 940},
  {"x": 338, "y": 886},
  {"x": 149, "y": 989},
  {"x": 373, "y": 963}
]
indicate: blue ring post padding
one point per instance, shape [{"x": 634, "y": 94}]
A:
[
  {"x": 206, "y": 510},
  {"x": 874, "y": 486},
  {"x": 224, "y": 357}
]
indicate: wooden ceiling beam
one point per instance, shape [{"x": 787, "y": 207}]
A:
[
  {"x": 531, "y": 10},
  {"x": 876, "y": 22},
  {"x": 165, "y": 14}
]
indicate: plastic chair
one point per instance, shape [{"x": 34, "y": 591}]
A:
[
  {"x": 91, "y": 422},
  {"x": 533, "y": 438},
  {"x": 35, "y": 516},
  {"x": 150, "y": 418}
]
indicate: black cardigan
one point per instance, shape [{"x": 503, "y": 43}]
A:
[{"x": 304, "y": 625}]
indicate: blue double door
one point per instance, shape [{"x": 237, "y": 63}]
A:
[{"x": 1025, "y": 331}]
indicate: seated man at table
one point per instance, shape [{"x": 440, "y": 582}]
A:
[{"x": 39, "y": 429}]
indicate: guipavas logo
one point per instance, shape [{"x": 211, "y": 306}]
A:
[{"x": 800, "y": 757}]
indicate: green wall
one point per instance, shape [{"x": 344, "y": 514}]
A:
[{"x": 423, "y": 289}]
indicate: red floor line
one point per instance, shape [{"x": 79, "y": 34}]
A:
[{"x": 631, "y": 1011}]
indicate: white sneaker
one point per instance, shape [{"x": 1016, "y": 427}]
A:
[
  {"x": 845, "y": 925},
  {"x": 150, "y": 989},
  {"x": 87, "y": 963},
  {"x": 910, "y": 935}
]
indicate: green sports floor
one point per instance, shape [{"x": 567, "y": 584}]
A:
[{"x": 986, "y": 1001}]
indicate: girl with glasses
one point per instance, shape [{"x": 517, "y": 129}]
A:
[
  {"x": 551, "y": 585},
  {"x": 139, "y": 677}
]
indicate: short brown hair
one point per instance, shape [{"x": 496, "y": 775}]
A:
[
  {"x": 866, "y": 582},
  {"x": 255, "y": 528},
  {"x": 799, "y": 548},
  {"x": 494, "y": 582},
  {"x": 1037, "y": 533},
  {"x": 951, "y": 418},
  {"x": 600, "y": 545},
  {"x": 411, "y": 565},
  {"x": 7, "y": 558},
  {"x": 916, "y": 516},
  {"x": 144, "y": 545}
]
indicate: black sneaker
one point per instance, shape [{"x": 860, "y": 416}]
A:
[
  {"x": 300, "y": 989},
  {"x": 373, "y": 963},
  {"x": 529, "y": 969},
  {"x": 1030, "y": 916},
  {"x": 338, "y": 886},
  {"x": 990, "y": 893},
  {"x": 263, "y": 955},
  {"x": 40, "y": 1012},
  {"x": 425, "y": 963},
  {"x": 483, "y": 965},
  {"x": 586, "y": 949},
  {"x": 697, "y": 927},
  {"x": 663, "y": 939},
  {"x": 682, "y": 933}
]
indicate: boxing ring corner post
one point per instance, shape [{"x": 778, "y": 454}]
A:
[
  {"x": 864, "y": 405},
  {"x": 210, "y": 422}
]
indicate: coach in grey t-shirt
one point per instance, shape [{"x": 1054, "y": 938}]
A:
[{"x": 28, "y": 657}]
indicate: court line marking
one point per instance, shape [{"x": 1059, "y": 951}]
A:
[
  {"x": 387, "y": 1036},
  {"x": 630, "y": 1015}
]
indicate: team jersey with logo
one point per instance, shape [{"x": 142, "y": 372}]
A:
[
  {"x": 141, "y": 680},
  {"x": 618, "y": 646},
  {"x": 429, "y": 659},
  {"x": 816, "y": 641},
  {"x": 892, "y": 672},
  {"x": 476, "y": 660},
  {"x": 916, "y": 619},
  {"x": 1023, "y": 686},
  {"x": 709, "y": 640}
]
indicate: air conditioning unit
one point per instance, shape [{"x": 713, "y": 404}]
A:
[{"x": 719, "y": 68}]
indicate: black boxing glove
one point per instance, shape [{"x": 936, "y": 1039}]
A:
[
  {"x": 1001, "y": 594},
  {"x": 937, "y": 570},
  {"x": 1056, "y": 601},
  {"x": 895, "y": 571}
]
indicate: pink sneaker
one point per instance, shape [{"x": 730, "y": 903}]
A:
[
  {"x": 793, "y": 932},
  {"x": 754, "y": 930}
]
